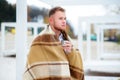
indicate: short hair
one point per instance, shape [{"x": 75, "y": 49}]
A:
[{"x": 55, "y": 9}]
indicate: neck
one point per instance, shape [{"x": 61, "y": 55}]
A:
[{"x": 57, "y": 32}]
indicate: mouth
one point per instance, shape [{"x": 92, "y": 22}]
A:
[{"x": 63, "y": 25}]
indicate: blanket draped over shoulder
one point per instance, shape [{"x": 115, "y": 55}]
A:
[{"x": 46, "y": 60}]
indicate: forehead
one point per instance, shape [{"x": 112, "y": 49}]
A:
[{"x": 59, "y": 13}]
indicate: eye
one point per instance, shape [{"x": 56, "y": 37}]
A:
[
  {"x": 65, "y": 18},
  {"x": 60, "y": 18}
]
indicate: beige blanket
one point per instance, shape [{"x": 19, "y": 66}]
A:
[{"x": 47, "y": 61}]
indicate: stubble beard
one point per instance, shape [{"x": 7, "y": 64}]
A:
[{"x": 56, "y": 28}]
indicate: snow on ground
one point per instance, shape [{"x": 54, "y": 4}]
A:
[
  {"x": 8, "y": 71},
  {"x": 7, "y": 68}
]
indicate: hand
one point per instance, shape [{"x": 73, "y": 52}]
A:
[{"x": 67, "y": 46}]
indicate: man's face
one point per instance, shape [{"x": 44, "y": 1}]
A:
[{"x": 59, "y": 20}]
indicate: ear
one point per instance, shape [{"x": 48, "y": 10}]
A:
[{"x": 50, "y": 19}]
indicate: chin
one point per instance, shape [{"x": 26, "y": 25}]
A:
[{"x": 63, "y": 29}]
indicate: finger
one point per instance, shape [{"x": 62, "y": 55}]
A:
[
  {"x": 67, "y": 45},
  {"x": 67, "y": 42}
]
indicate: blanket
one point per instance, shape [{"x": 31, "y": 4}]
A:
[{"x": 47, "y": 60}]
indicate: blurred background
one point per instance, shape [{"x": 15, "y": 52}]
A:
[{"x": 94, "y": 29}]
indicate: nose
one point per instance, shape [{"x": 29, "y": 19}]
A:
[{"x": 64, "y": 21}]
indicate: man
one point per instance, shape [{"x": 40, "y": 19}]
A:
[
  {"x": 57, "y": 21},
  {"x": 52, "y": 56}
]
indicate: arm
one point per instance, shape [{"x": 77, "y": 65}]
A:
[{"x": 76, "y": 65}]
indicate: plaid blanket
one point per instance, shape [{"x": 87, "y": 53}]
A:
[{"x": 47, "y": 61}]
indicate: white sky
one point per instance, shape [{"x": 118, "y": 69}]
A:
[
  {"x": 32, "y": 2},
  {"x": 92, "y": 10},
  {"x": 12, "y": 1},
  {"x": 72, "y": 12}
]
